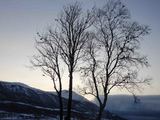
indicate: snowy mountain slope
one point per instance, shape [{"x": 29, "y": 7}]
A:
[
  {"x": 17, "y": 97},
  {"x": 75, "y": 96},
  {"x": 22, "y": 93},
  {"x": 25, "y": 89}
]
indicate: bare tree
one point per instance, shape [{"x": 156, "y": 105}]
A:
[
  {"x": 112, "y": 53},
  {"x": 71, "y": 40},
  {"x": 66, "y": 41},
  {"x": 48, "y": 59},
  {"x": 136, "y": 99}
]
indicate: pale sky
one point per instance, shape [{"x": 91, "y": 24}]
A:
[{"x": 20, "y": 20}]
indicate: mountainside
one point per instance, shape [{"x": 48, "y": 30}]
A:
[{"x": 20, "y": 98}]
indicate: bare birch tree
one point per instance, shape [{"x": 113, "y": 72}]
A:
[
  {"x": 48, "y": 59},
  {"x": 71, "y": 40},
  {"x": 66, "y": 41},
  {"x": 112, "y": 54}
]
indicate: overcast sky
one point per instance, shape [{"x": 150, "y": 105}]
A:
[{"x": 20, "y": 20}]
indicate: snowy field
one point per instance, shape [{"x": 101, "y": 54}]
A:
[{"x": 19, "y": 116}]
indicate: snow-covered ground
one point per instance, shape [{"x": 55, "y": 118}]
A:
[{"x": 19, "y": 116}]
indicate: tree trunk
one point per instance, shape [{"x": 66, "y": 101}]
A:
[
  {"x": 61, "y": 107},
  {"x": 100, "y": 113},
  {"x": 70, "y": 96},
  {"x": 102, "y": 107}
]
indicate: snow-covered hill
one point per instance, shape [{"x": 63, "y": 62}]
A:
[
  {"x": 75, "y": 95},
  {"x": 20, "y": 98}
]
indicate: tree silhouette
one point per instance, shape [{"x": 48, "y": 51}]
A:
[
  {"x": 107, "y": 41},
  {"x": 48, "y": 59},
  {"x": 66, "y": 43},
  {"x": 112, "y": 53}
]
